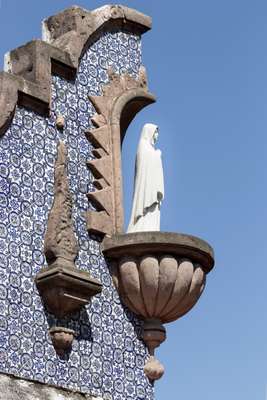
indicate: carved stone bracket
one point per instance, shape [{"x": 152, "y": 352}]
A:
[
  {"x": 122, "y": 98},
  {"x": 63, "y": 288},
  {"x": 160, "y": 277}
]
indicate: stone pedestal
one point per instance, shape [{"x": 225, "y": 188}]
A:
[{"x": 65, "y": 290}]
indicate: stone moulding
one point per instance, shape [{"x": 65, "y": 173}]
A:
[
  {"x": 26, "y": 79},
  {"x": 160, "y": 276},
  {"x": 63, "y": 288},
  {"x": 122, "y": 98}
]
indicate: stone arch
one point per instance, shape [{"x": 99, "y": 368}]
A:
[{"x": 123, "y": 97}]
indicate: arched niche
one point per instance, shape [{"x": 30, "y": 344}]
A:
[{"x": 123, "y": 97}]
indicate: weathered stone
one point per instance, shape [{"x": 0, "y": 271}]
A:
[
  {"x": 100, "y": 138},
  {"x": 65, "y": 36},
  {"x": 99, "y": 223},
  {"x": 102, "y": 104},
  {"x": 99, "y": 153},
  {"x": 62, "y": 339},
  {"x": 168, "y": 268},
  {"x": 143, "y": 243},
  {"x": 102, "y": 168},
  {"x": 64, "y": 289},
  {"x": 130, "y": 284},
  {"x": 102, "y": 200},
  {"x": 100, "y": 184},
  {"x": 60, "y": 122},
  {"x": 123, "y": 97},
  {"x": 151, "y": 283},
  {"x": 85, "y": 23},
  {"x": 8, "y": 99},
  {"x": 98, "y": 120},
  {"x": 182, "y": 284},
  {"x": 14, "y": 388},
  {"x": 153, "y": 369},
  {"x": 60, "y": 241},
  {"x": 149, "y": 277},
  {"x": 153, "y": 334},
  {"x": 160, "y": 280},
  {"x": 196, "y": 288}
]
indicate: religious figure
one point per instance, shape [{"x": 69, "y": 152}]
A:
[{"x": 148, "y": 183}]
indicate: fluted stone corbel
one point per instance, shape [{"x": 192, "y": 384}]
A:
[
  {"x": 64, "y": 289},
  {"x": 160, "y": 276}
]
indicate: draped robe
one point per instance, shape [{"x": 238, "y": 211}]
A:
[{"x": 148, "y": 184}]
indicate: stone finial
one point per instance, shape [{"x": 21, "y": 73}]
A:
[
  {"x": 62, "y": 339},
  {"x": 63, "y": 287},
  {"x": 60, "y": 241},
  {"x": 153, "y": 369}
]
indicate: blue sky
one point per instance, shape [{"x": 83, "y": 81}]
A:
[{"x": 207, "y": 64}]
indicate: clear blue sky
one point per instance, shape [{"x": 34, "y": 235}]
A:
[{"x": 207, "y": 63}]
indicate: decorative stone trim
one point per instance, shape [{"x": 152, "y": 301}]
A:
[
  {"x": 74, "y": 28},
  {"x": 122, "y": 98},
  {"x": 27, "y": 77}
]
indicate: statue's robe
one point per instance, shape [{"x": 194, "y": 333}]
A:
[{"x": 148, "y": 184}]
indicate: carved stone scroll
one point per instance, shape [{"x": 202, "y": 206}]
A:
[{"x": 123, "y": 97}]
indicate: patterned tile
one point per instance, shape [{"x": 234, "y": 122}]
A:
[{"x": 107, "y": 357}]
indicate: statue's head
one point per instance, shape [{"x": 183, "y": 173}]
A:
[{"x": 150, "y": 133}]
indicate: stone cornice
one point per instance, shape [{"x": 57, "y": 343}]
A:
[{"x": 26, "y": 80}]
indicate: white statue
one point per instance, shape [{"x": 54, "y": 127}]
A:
[{"x": 148, "y": 183}]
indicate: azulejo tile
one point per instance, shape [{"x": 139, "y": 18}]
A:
[{"x": 107, "y": 357}]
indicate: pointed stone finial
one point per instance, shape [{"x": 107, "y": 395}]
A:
[
  {"x": 60, "y": 243},
  {"x": 63, "y": 287}
]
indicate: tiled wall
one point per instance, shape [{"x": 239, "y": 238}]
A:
[{"x": 107, "y": 357}]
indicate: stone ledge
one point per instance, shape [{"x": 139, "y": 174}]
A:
[
  {"x": 28, "y": 69},
  {"x": 14, "y": 388},
  {"x": 140, "y": 243}
]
